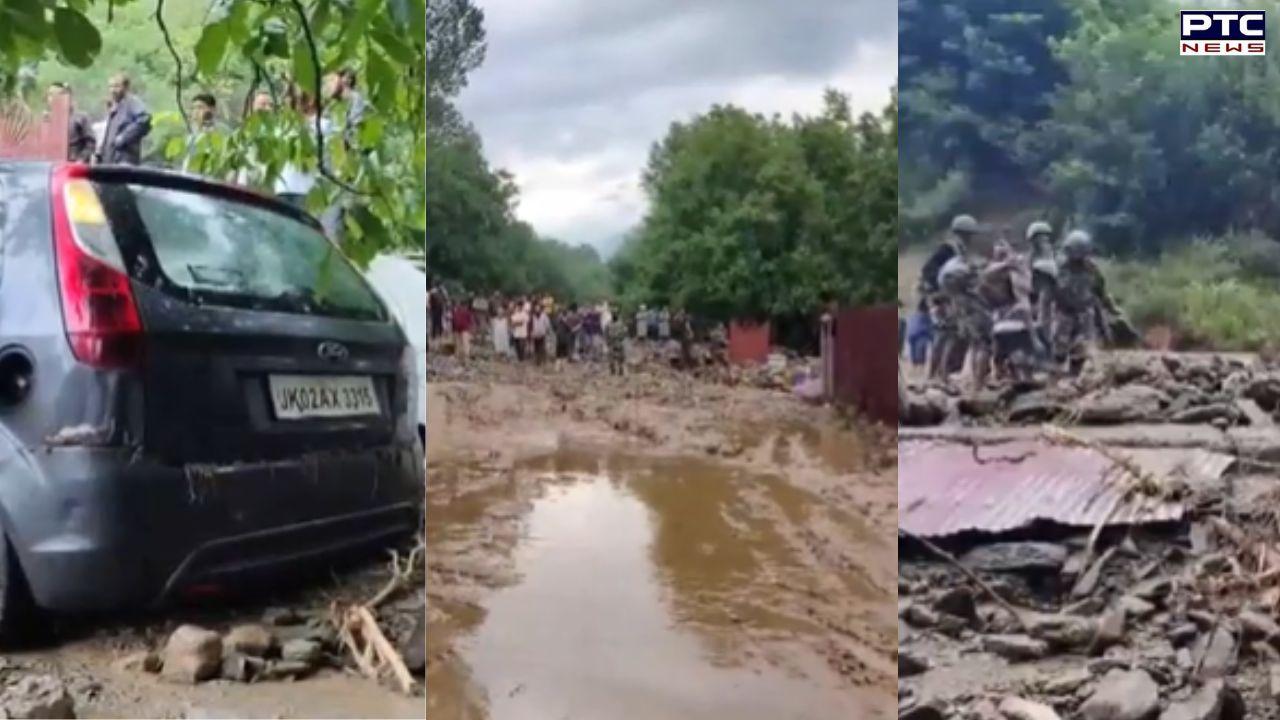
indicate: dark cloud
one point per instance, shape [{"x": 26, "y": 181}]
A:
[{"x": 575, "y": 91}]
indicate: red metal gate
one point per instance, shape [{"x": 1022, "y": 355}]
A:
[
  {"x": 28, "y": 135},
  {"x": 862, "y": 361}
]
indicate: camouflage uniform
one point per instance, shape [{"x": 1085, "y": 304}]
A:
[
  {"x": 617, "y": 337},
  {"x": 972, "y": 315},
  {"x": 947, "y": 344},
  {"x": 1075, "y": 300}
]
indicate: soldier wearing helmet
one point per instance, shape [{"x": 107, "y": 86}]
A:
[
  {"x": 1044, "y": 273},
  {"x": 1075, "y": 301},
  {"x": 963, "y": 229},
  {"x": 972, "y": 318}
]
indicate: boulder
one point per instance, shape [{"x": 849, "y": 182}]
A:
[
  {"x": 253, "y": 640},
  {"x": 1015, "y": 708},
  {"x": 1122, "y": 695},
  {"x": 1204, "y": 704},
  {"x": 1255, "y": 625},
  {"x": 303, "y": 651},
  {"x": 958, "y": 602},
  {"x": 909, "y": 664},
  {"x": 1215, "y": 653},
  {"x": 1063, "y": 631},
  {"x": 192, "y": 654},
  {"x": 1015, "y": 648},
  {"x": 1016, "y": 557}
]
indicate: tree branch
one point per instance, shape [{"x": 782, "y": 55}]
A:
[
  {"x": 319, "y": 96},
  {"x": 177, "y": 60}
]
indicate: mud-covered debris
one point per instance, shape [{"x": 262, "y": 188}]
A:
[
  {"x": 1016, "y": 557},
  {"x": 250, "y": 639},
  {"x": 241, "y": 668},
  {"x": 1215, "y": 653},
  {"x": 1204, "y": 704},
  {"x": 37, "y": 696},
  {"x": 1110, "y": 631},
  {"x": 144, "y": 661},
  {"x": 1062, "y": 631},
  {"x": 1125, "y": 404},
  {"x": 910, "y": 663},
  {"x": 1015, "y": 648},
  {"x": 1067, "y": 682},
  {"x": 1135, "y": 608},
  {"x": 286, "y": 670},
  {"x": 958, "y": 602},
  {"x": 415, "y": 648},
  {"x": 1015, "y": 708},
  {"x": 1256, "y": 625},
  {"x": 192, "y": 654},
  {"x": 1273, "y": 677},
  {"x": 918, "y": 616},
  {"x": 932, "y": 709},
  {"x": 1123, "y": 695},
  {"x": 305, "y": 651}
]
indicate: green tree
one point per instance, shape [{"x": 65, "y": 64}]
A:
[{"x": 754, "y": 216}]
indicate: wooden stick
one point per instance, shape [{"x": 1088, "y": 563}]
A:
[
  {"x": 373, "y": 635},
  {"x": 950, "y": 560}
]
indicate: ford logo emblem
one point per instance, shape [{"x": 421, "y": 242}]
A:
[{"x": 335, "y": 351}]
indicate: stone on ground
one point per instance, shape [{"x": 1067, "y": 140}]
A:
[
  {"x": 37, "y": 696},
  {"x": 1015, "y": 708},
  {"x": 253, "y": 640},
  {"x": 192, "y": 654},
  {"x": 1122, "y": 695}
]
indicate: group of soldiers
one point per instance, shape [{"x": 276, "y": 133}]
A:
[{"x": 1018, "y": 311}]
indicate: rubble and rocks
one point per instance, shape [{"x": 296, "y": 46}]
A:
[
  {"x": 37, "y": 696},
  {"x": 252, "y": 639},
  {"x": 192, "y": 654},
  {"x": 1123, "y": 695},
  {"x": 1118, "y": 389},
  {"x": 1015, "y": 648},
  {"x": 1012, "y": 557},
  {"x": 1015, "y": 708}
]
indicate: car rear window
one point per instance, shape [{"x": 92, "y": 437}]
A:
[{"x": 224, "y": 252}]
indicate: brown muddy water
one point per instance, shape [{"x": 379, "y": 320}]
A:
[{"x": 640, "y": 588}]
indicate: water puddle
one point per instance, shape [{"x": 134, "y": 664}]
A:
[{"x": 642, "y": 585}]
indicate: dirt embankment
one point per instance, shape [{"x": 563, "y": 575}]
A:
[{"x": 684, "y": 548}]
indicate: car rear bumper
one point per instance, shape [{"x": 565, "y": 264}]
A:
[{"x": 106, "y": 531}]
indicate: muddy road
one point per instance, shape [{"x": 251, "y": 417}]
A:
[{"x": 653, "y": 547}]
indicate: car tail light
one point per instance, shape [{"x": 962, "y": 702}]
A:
[{"x": 98, "y": 307}]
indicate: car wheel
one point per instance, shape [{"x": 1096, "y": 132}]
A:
[{"x": 19, "y": 617}]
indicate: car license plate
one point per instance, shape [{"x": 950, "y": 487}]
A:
[{"x": 300, "y": 397}]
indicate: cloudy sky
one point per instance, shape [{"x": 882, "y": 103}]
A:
[{"x": 574, "y": 92}]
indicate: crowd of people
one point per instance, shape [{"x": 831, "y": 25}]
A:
[
  {"x": 1023, "y": 309},
  {"x": 118, "y": 137},
  {"x": 543, "y": 331}
]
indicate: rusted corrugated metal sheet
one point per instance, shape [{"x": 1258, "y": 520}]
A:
[
  {"x": 26, "y": 135},
  {"x": 863, "y": 368},
  {"x": 943, "y": 489},
  {"x": 748, "y": 342}
]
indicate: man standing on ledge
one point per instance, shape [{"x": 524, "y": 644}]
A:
[{"x": 127, "y": 125}]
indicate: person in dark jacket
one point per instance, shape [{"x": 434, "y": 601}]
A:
[
  {"x": 127, "y": 125},
  {"x": 80, "y": 141}
]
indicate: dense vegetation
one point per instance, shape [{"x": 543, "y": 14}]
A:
[
  {"x": 231, "y": 47},
  {"x": 1084, "y": 106},
  {"x": 755, "y": 216}
]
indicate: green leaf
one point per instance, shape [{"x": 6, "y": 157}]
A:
[
  {"x": 371, "y": 131},
  {"x": 78, "y": 40},
  {"x": 382, "y": 82},
  {"x": 211, "y": 48},
  {"x": 304, "y": 67},
  {"x": 26, "y": 18},
  {"x": 274, "y": 34},
  {"x": 395, "y": 47}
]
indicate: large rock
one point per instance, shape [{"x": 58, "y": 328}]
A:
[
  {"x": 1122, "y": 695},
  {"x": 1130, "y": 403},
  {"x": 1256, "y": 625},
  {"x": 415, "y": 648},
  {"x": 1016, "y": 557},
  {"x": 1016, "y": 648},
  {"x": 958, "y": 602},
  {"x": 1110, "y": 631},
  {"x": 919, "y": 616},
  {"x": 303, "y": 651},
  {"x": 192, "y": 654},
  {"x": 1016, "y": 708},
  {"x": 928, "y": 710},
  {"x": 1204, "y": 704},
  {"x": 1215, "y": 653},
  {"x": 909, "y": 664},
  {"x": 253, "y": 640},
  {"x": 1063, "y": 631},
  {"x": 38, "y": 696}
]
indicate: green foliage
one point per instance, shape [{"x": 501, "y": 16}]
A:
[
  {"x": 1087, "y": 106},
  {"x": 232, "y": 46},
  {"x": 752, "y": 216},
  {"x": 1219, "y": 293}
]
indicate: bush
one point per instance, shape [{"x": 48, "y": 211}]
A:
[{"x": 1212, "y": 293}]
